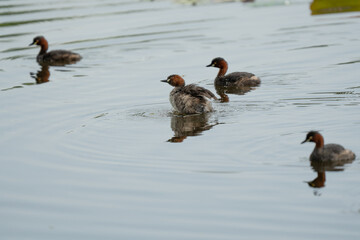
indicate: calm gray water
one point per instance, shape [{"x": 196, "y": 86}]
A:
[{"x": 91, "y": 153}]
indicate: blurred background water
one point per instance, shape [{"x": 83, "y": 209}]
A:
[{"x": 94, "y": 151}]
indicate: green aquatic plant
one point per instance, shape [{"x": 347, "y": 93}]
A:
[{"x": 334, "y": 6}]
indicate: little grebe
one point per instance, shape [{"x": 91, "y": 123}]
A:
[
  {"x": 189, "y": 99},
  {"x": 55, "y": 57},
  {"x": 329, "y": 152},
  {"x": 235, "y": 79}
]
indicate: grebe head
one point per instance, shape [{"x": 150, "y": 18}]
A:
[
  {"x": 316, "y": 137},
  {"x": 40, "y": 41},
  {"x": 218, "y": 62},
  {"x": 175, "y": 80}
]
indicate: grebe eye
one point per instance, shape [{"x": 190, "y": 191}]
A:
[{"x": 310, "y": 138}]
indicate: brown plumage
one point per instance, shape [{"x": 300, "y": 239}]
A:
[
  {"x": 327, "y": 152},
  {"x": 189, "y": 99},
  {"x": 55, "y": 57},
  {"x": 235, "y": 79}
]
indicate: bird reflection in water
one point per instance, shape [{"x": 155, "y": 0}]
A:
[
  {"x": 321, "y": 167},
  {"x": 42, "y": 76},
  {"x": 224, "y": 91},
  {"x": 189, "y": 125}
]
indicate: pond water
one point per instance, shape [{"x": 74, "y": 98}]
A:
[{"x": 95, "y": 151}]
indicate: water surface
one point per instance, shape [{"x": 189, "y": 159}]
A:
[{"x": 87, "y": 150}]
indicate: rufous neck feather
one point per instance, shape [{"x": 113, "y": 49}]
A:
[
  {"x": 44, "y": 46},
  {"x": 223, "y": 69},
  {"x": 319, "y": 141}
]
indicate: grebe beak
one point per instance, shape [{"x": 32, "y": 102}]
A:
[
  {"x": 164, "y": 80},
  {"x": 34, "y": 42},
  {"x": 306, "y": 140},
  {"x": 210, "y": 65}
]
